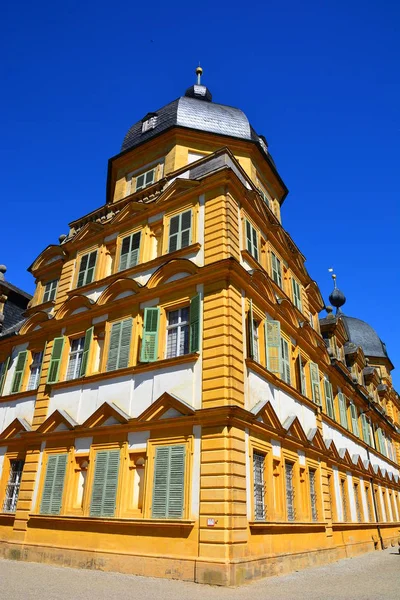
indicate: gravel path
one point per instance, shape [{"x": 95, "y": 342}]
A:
[{"x": 372, "y": 576}]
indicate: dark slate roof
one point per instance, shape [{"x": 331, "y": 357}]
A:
[
  {"x": 195, "y": 113},
  {"x": 362, "y": 334},
  {"x": 14, "y": 288}
]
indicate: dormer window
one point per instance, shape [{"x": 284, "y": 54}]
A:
[
  {"x": 149, "y": 122},
  {"x": 145, "y": 179}
]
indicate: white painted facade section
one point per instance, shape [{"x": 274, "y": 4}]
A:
[
  {"x": 364, "y": 500},
  {"x": 342, "y": 441},
  {"x": 302, "y": 457},
  {"x": 259, "y": 389},
  {"x": 338, "y": 494},
  {"x": 276, "y": 448},
  {"x": 137, "y": 440},
  {"x": 382, "y": 504},
  {"x": 82, "y": 445},
  {"x": 196, "y": 471},
  {"x": 36, "y": 489},
  {"x": 21, "y": 407},
  {"x": 3, "y": 450},
  {"x": 132, "y": 393},
  {"x": 351, "y": 497},
  {"x": 93, "y": 294}
]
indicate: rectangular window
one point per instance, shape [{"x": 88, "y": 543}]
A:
[
  {"x": 289, "y": 492},
  {"x": 130, "y": 251},
  {"x": 19, "y": 371},
  {"x": 315, "y": 387},
  {"x": 330, "y": 407},
  {"x": 296, "y": 289},
  {"x": 13, "y": 485},
  {"x": 145, "y": 179},
  {"x": 273, "y": 346},
  {"x": 345, "y": 505},
  {"x": 35, "y": 369},
  {"x": 120, "y": 344},
  {"x": 343, "y": 410},
  {"x": 285, "y": 356},
  {"x": 251, "y": 240},
  {"x": 276, "y": 269},
  {"x": 75, "y": 358},
  {"x": 370, "y": 517},
  {"x": 86, "y": 268},
  {"x": 105, "y": 483},
  {"x": 53, "y": 484},
  {"x": 178, "y": 332},
  {"x": 313, "y": 495},
  {"x": 180, "y": 231},
  {"x": 259, "y": 486},
  {"x": 168, "y": 485},
  {"x": 50, "y": 290},
  {"x": 358, "y": 502},
  {"x": 301, "y": 375},
  {"x": 55, "y": 360},
  {"x": 264, "y": 197},
  {"x": 3, "y": 373},
  {"x": 365, "y": 429},
  {"x": 354, "y": 419}
]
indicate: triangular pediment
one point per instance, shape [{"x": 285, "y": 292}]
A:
[
  {"x": 294, "y": 429},
  {"x": 166, "y": 406},
  {"x": 180, "y": 184},
  {"x": 59, "y": 420},
  {"x": 87, "y": 231},
  {"x": 264, "y": 412},
  {"x": 15, "y": 428},
  {"x": 345, "y": 456},
  {"x": 315, "y": 438},
  {"x": 333, "y": 451},
  {"x": 356, "y": 459},
  {"x": 107, "y": 414},
  {"x": 129, "y": 211}
]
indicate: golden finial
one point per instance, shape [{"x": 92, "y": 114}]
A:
[
  {"x": 333, "y": 277},
  {"x": 199, "y": 73}
]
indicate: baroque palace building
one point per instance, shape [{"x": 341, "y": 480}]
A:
[{"x": 171, "y": 404}]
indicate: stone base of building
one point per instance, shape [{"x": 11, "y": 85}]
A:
[{"x": 234, "y": 573}]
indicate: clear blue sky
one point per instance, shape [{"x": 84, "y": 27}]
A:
[{"x": 319, "y": 79}]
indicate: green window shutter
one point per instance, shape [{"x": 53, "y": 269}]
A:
[
  {"x": 86, "y": 350},
  {"x": 285, "y": 361},
  {"x": 53, "y": 484},
  {"x": 249, "y": 237},
  {"x": 168, "y": 487},
  {"x": 315, "y": 389},
  {"x": 3, "y": 373},
  {"x": 186, "y": 228},
  {"x": 120, "y": 344},
  {"x": 86, "y": 268},
  {"x": 105, "y": 483},
  {"x": 354, "y": 419},
  {"x": 330, "y": 407},
  {"x": 276, "y": 269},
  {"x": 174, "y": 223},
  {"x": 381, "y": 441},
  {"x": 273, "y": 346},
  {"x": 296, "y": 294},
  {"x": 365, "y": 429},
  {"x": 149, "y": 351},
  {"x": 180, "y": 231},
  {"x": 302, "y": 376},
  {"x": 55, "y": 360},
  {"x": 250, "y": 319},
  {"x": 130, "y": 251},
  {"x": 343, "y": 410},
  {"x": 19, "y": 372},
  {"x": 195, "y": 307}
]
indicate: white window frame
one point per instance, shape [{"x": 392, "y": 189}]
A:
[
  {"x": 77, "y": 355},
  {"x": 146, "y": 182},
  {"x": 35, "y": 369},
  {"x": 297, "y": 298},
  {"x": 149, "y": 124},
  {"x": 276, "y": 273},
  {"x": 13, "y": 486},
  {"x": 179, "y": 326},
  {"x": 251, "y": 245},
  {"x": 256, "y": 340},
  {"x": 50, "y": 290}
]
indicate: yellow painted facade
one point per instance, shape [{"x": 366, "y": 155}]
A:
[{"x": 190, "y": 416}]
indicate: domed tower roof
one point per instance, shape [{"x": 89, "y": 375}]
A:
[
  {"x": 362, "y": 334},
  {"x": 194, "y": 110}
]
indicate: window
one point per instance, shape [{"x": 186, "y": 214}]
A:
[
  {"x": 354, "y": 419},
  {"x": 273, "y": 346},
  {"x": 276, "y": 269},
  {"x": 253, "y": 326},
  {"x": 178, "y": 332},
  {"x": 53, "y": 484},
  {"x": 381, "y": 441},
  {"x": 105, "y": 482},
  {"x": 285, "y": 356},
  {"x": 19, "y": 371},
  {"x": 259, "y": 486},
  {"x": 296, "y": 294},
  {"x": 366, "y": 432},
  {"x": 145, "y": 179},
  {"x": 264, "y": 196},
  {"x": 75, "y": 358},
  {"x": 35, "y": 369},
  {"x": 289, "y": 492},
  {"x": 343, "y": 410},
  {"x": 315, "y": 389},
  {"x": 301, "y": 375},
  {"x": 345, "y": 505},
  {"x": 55, "y": 360},
  {"x": 86, "y": 268},
  {"x": 370, "y": 514},
  {"x": 313, "y": 495},
  {"x": 251, "y": 240},
  {"x": 358, "y": 502},
  {"x": 50, "y": 290},
  {"x": 168, "y": 484},
  {"x": 130, "y": 251},
  {"x": 120, "y": 344},
  {"x": 13, "y": 485},
  {"x": 3, "y": 373},
  {"x": 149, "y": 123},
  {"x": 330, "y": 408},
  {"x": 180, "y": 231}
]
